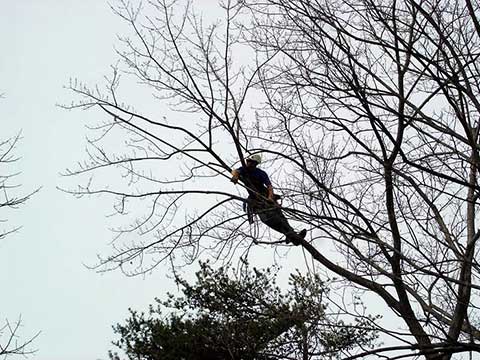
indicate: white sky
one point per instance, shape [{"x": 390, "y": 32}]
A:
[{"x": 42, "y": 276}]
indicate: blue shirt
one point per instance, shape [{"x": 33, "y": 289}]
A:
[{"x": 256, "y": 180}]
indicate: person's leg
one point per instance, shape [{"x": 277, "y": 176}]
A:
[{"x": 273, "y": 217}]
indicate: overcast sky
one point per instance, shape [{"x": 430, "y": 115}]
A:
[{"x": 42, "y": 275}]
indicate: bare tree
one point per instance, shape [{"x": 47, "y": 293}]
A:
[
  {"x": 369, "y": 113},
  {"x": 9, "y": 197},
  {"x": 10, "y": 343},
  {"x": 10, "y": 200}
]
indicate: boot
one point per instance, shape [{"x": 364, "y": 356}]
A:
[
  {"x": 303, "y": 233},
  {"x": 294, "y": 238}
]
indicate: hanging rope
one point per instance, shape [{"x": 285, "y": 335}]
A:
[{"x": 254, "y": 228}]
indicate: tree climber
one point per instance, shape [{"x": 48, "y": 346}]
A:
[{"x": 261, "y": 199}]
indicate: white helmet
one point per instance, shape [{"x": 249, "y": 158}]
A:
[{"x": 256, "y": 157}]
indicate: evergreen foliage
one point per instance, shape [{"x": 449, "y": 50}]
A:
[{"x": 246, "y": 317}]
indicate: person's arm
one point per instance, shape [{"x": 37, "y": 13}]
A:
[
  {"x": 235, "y": 176},
  {"x": 270, "y": 192},
  {"x": 268, "y": 184}
]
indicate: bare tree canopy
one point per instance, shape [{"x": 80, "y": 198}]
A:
[
  {"x": 369, "y": 115},
  {"x": 10, "y": 341},
  {"x": 10, "y": 200}
]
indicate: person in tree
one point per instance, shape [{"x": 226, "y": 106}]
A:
[{"x": 261, "y": 199}]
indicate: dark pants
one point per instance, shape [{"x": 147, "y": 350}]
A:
[{"x": 271, "y": 215}]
